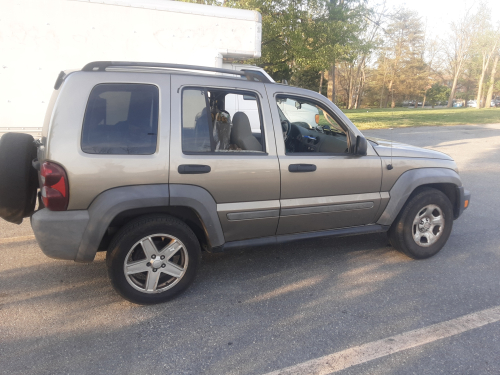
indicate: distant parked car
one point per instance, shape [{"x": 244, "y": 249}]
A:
[{"x": 472, "y": 103}]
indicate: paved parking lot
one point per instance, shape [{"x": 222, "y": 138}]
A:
[{"x": 265, "y": 309}]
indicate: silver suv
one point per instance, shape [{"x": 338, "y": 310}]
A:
[{"x": 147, "y": 162}]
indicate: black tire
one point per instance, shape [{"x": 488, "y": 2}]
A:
[
  {"x": 401, "y": 234},
  {"x": 122, "y": 248},
  {"x": 19, "y": 181}
]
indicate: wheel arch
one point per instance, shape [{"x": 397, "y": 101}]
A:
[
  {"x": 186, "y": 214},
  {"x": 115, "y": 207},
  {"x": 409, "y": 183}
]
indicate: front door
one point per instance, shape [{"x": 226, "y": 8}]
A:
[
  {"x": 226, "y": 151},
  {"x": 323, "y": 184}
]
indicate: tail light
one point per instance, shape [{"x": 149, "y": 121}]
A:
[{"x": 55, "y": 192}]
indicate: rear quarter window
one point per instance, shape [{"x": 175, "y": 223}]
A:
[{"x": 121, "y": 119}]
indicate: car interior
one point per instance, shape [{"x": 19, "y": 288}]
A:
[
  {"x": 121, "y": 119},
  {"x": 322, "y": 134},
  {"x": 217, "y": 130}
]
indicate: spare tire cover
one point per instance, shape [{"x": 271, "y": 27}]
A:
[{"x": 18, "y": 178}]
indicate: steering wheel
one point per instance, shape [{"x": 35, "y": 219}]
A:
[{"x": 287, "y": 128}]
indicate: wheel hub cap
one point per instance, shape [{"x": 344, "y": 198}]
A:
[
  {"x": 156, "y": 263},
  {"x": 424, "y": 225},
  {"x": 428, "y": 225}
]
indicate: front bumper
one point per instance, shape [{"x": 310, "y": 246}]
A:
[
  {"x": 59, "y": 233},
  {"x": 462, "y": 202}
]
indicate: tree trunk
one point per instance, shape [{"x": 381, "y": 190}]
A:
[
  {"x": 389, "y": 93},
  {"x": 453, "y": 89},
  {"x": 486, "y": 62},
  {"x": 321, "y": 82},
  {"x": 382, "y": 92},
  {"x": 331, "y": 83},
  {"x": 423, "y": 101},
  {"x": 362, "y": 79},
  {"x": 350, "y": 89},
  {"x": 492, "y": 83}
]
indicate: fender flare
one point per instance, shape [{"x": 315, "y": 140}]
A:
[
  {"x": 112, "y": 202},
  {"x": 408, "y": 182},
  {"x": 202, "y": 202}
]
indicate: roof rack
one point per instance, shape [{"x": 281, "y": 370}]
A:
[{"x": 100, "y": 66}]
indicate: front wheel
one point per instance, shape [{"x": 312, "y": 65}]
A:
[
  {"x": 423, "y": 225},
  {"x": 152, "y": 259}
]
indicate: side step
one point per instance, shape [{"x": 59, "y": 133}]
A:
[{"x": 286, "y": 238}]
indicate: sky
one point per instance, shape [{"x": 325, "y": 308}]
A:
[{"x": 439, "y": 13}]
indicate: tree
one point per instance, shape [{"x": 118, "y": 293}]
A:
[
  {"x": 353, "y": 65},
  {"x": 489, "y": 96},
  {"x": 485, "y": 44},
  {"x": 401, "y": 69},
  {"x": 437, "y": 93},
  {"x": 458, "y": 48}
]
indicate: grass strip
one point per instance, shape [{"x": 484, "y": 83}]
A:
[{"x": 406, "y": 117}]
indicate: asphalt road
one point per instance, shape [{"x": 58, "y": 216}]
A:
[{"x": 260, "y": 310}]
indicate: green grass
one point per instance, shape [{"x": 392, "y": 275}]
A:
[{"x": 403, "y": 117}]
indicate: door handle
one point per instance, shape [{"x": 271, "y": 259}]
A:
[
  {"x": 193, "y": 169},
  {"x": 301, "y": 168}
]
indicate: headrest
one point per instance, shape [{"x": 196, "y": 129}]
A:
[{"x": 241, "y": 126}]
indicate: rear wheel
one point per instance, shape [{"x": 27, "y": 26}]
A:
[
  {"x": 152, "y": 259},
  {"x": 423, "y": 225}
]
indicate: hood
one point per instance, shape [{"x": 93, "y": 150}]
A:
[{"x": 383, "y": 148}]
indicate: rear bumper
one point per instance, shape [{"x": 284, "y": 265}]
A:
[
  {"x": 59, "y": 233},
  {"x": 462, "y": 202}
]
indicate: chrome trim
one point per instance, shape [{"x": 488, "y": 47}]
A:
[
  {"x": 325, "y": 209},
  {"x": 252, "y": 215},
  {"x": 331, "y": 200},
  {"x": 248, "y": 206},
  {"x": 385, "y": 195}
]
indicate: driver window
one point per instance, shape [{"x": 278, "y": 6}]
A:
[{"x": 308, "y": 128}]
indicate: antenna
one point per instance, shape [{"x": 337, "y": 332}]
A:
[{"x": 389, "y": 166}]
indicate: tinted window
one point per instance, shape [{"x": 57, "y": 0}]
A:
[
  {"x": 221, "y": 121},
  {"x": 121, "y": 119}
]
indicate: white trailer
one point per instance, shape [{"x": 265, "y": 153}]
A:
[{"x": 39, "y": 38}]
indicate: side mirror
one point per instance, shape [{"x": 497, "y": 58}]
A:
[
  {"x": 361, "y": 146},
  {"x": 298, "y": 105}
]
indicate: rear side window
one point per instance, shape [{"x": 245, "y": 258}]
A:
[
  {"x": 221, "y": 121},
  {"x": 121, "y": 119}
]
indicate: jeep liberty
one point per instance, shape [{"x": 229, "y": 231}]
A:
[{"x": 145, "y": 161}]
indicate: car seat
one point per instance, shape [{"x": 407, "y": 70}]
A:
[{"x": 241, "y": 134}]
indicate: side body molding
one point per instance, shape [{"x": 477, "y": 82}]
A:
[
  {"x": 112, "y": 202},
  {"x": 408, "y": 182},
  {"x": 201, "y": 201}
]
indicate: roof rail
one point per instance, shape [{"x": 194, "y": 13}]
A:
[{"x": 100, "y": 66}]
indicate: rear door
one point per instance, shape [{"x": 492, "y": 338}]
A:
[{"x": 245, "y": 183}]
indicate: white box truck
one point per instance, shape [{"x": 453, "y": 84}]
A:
[{"x": 39, "y": 38}]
